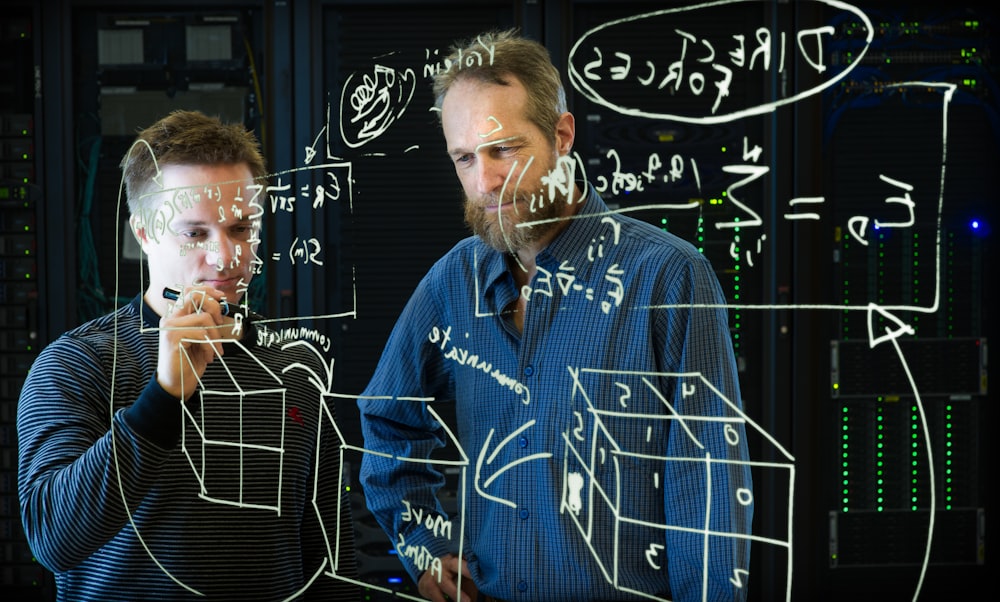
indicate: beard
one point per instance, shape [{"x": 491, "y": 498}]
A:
[{"x": 498, "y": 229}]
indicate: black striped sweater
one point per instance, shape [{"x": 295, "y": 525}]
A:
[{"x": 127, "y": 494}]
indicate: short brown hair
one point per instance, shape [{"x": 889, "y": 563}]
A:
[
  {"x": 187, "y": 138},
  {"x": 492, "y": 57}
]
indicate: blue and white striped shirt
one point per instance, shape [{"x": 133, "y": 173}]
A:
[{"x": 605, "y": 445}]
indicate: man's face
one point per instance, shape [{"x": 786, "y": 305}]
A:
[
  {"x": 501, "y": 159},
  {"x": 205, "y": 229}
]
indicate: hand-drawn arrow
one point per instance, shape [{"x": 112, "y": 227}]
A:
[{"x": 874, "y": 312}]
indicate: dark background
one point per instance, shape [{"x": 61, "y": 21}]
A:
[{"x": 843, "y": 484}]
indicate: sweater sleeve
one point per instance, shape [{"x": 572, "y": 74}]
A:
[{"x": 81, "y": 464}]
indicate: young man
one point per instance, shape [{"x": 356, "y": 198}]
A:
[
  {"x": 164, "y": 453},
  {"x": 589, "y": 359}
]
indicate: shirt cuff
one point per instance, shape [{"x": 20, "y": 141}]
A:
[
  {"x": 419, "y": 549},
  {"x": 156, "y": 415}
]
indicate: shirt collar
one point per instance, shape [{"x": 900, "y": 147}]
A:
[
  {"x": 582, "y": 230},
  {"x": 150, "y": 319}
]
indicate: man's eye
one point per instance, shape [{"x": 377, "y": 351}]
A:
[
  {"x": 192, "y": 234},
  {"x": 463, "y": 158}
]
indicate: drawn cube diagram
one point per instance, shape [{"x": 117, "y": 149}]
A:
[
  {"x": 332, "y": 525},
  {"x": 608, "y": 487},
  {"x": 220, "y": 433},
  {"x": 453, "y": 463}
]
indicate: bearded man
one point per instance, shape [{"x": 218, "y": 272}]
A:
[{"x": 589, "y": 359}]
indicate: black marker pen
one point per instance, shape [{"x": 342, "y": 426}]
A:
[{"x": 227, "y": 309}]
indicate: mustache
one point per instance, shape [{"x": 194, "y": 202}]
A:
[{"x": 519, "y": 200}]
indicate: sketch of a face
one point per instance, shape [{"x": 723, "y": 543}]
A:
[
  {"x": 501, "y": 159},
  {"x": 208, "y": 233}
]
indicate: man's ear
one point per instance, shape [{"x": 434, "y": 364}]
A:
[
  {"x": 565, "y": 133},
  {"x": 137, "y": 230}
]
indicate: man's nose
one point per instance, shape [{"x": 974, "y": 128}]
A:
[
  {"x": 491, "y": 174},
  {"x": 224, "y": 253}
]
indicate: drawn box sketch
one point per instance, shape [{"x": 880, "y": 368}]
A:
[
  {"x": 607, "y": 486},
  {"x": 258, "y": 449},
  {"x": 450, "y": 460}
]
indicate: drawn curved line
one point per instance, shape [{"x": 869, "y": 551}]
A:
[
  {"x": 479, "y": 464},
  {"x": 538, "y": 456},
  {"x": 500, "y": 446},
  {"x": 308, "y": 584},
  {"x": 706, "y": 539},
  {"x": 118, "y": 472},
  {"x": 622, "y": 210},
  {"x": 932, "y": 485},
  {"x": 508, "y": 439},
  {"x": 494, "y": 130},
  {"x": 158, "y": 178},
  {"x": 584, "y": 88},
  {"x": 503, "y": 189},
  {"x": 315, "y": 377},
  {"x": 383, "y": 94}
]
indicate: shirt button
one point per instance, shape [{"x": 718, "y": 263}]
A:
[
  {"x": 524, "y": 513},
  {"x": 522, "y": 441},
  {"x": 522, "y": 586},
  {"x": 529, "y": 370}
]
